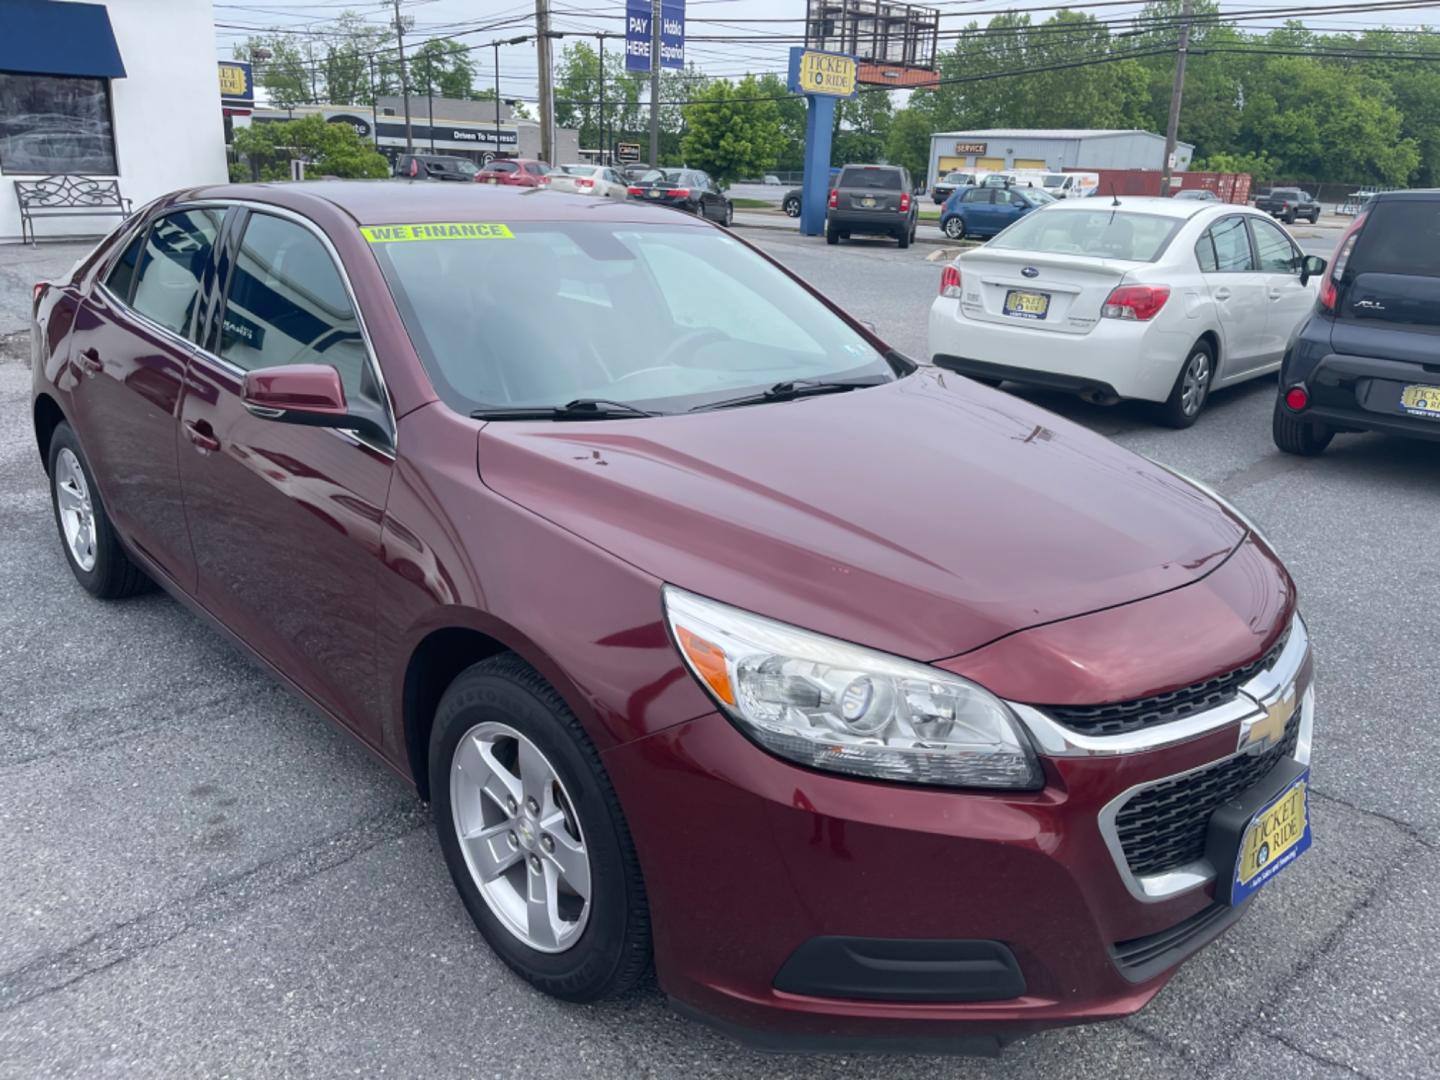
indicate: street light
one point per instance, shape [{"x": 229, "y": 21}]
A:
[{"x": 496, "y": 46}]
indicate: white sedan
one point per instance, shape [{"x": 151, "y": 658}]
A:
[
  {"x": 599, "y": 180},
  {"x": 1160, "y": 300}
]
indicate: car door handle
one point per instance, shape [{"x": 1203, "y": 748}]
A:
[
  {"x": 202, "y": 435},
  {"x": 1274, "y": 293},
  {"x": 90, "y": 362},
  {"x": 1221, "y": 294}
]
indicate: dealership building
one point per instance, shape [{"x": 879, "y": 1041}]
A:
[
  {"x": 86, "y": 87},
  {"x": 995, "y": 149}
]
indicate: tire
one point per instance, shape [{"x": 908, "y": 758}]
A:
[
  {"x": 792, "y": 207},
  {"x": 1192, "y": 387},
  {"x": 1289, "y": 218},
  {"x": 904, "y": 238},
  {"x": 610, "y": 950},
  {"x": 1315, "y": 218},
  {"x": 729, "y": 215},
  {"x": 832, "y": 235},
  {"x": 955, "y": 227},
  {"x": 1307, "y": 438},
  {"x": 101, "y": 566}
]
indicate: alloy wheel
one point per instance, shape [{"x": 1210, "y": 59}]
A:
[
  {"x": 77, "y": 514},
  {"x": 522, "y": 842},
  {"x": 1197, "y": 382},
  {"x": 954, "y": 228}
]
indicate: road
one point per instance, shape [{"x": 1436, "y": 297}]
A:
[{"x": 202, "y": 879}]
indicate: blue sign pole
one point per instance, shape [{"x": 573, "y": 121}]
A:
[{"x": 822, "y": 77}]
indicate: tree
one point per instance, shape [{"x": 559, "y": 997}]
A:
[
  {"x": 908, "y": 141},
  {"x": 331, "y": 149},
  {"x": 442, "y": 66},
  {"x": 861, "y": 126},
  {"x": 282, "y": 75},
  {"x": 732, "y": 130},
  {"x": 352, "y": 52},
  {"x": 792, "y": 121}
]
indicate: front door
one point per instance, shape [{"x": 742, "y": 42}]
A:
[
  {"x": 1238, "y": 292},
  {"x": 131, "y": 348},
  {"x": 285, "y": 519},
  {"x": 1288, "y": 302}
]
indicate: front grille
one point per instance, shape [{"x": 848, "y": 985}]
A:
[
  {"x": 1126, "y": 716},
  {"x": 1163, "y": 827}
]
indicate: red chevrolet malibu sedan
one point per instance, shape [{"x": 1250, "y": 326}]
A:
[{"x": 864, "y": 702}]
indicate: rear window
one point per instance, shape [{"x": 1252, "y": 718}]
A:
[
  {"x": 1401, "y": 236},
  {"x": 1105, "y": 233},
  {"x": 873, "y": 179},
  {"x": 1285, "y": 193}
]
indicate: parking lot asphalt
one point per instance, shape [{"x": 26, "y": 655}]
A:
[{"x": 200, "y": 878}]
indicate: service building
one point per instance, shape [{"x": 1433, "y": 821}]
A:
[{"x": 1058, "y": 149}]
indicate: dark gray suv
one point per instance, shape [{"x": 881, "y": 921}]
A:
[{"x": 872, "y": 200}]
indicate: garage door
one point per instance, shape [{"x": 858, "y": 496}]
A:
[
  {"x": 951, "y": 164},
  {"x": 1030, "y": 163},
  {"x": 990, "y": 164}
]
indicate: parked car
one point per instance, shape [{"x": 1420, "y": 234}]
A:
[
  {"x": 872, "y": 200},
  {"x": 598, "y": 180},
  {"x": 516, "y": 172},
  {"x": 947, "y": 185},
  {"x": 1289, "y": 204},
  {"x": 1155, "y": 299},
  {"x": 1197, "y": 195},
  {"x": 436, "y": 167},
  {"x": 1365, "y": 359},
  {"x": 1070, "y": 185},
  {"x": 644, "y": 593},
  {"x": 684, "y": 189},
  {"x": 635, "y": 170},
  {"x": 986, "y": 211},
  {"x": 771, "y": 180}
]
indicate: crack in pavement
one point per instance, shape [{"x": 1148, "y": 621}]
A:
[
  {"x": 227, "y": 897},
  {"x": 1331, "y": 1062},
  {"x": 1415, "y": 832}
]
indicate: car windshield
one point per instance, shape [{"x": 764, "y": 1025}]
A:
[
  {"x": 875, "y": 179},
  {"x": 661, "y": 317},
  {"x": 579, "y": 170},
  {"x": 1038, "y": 196},
  {"x": 1107, "y": 233},
  {"x": 957, "y": 178},
  {"x": 1054, "y": 180},
  {"x": 463, "y": 166}
]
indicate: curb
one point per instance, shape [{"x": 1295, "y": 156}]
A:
[{"x": 919, "y": 238}]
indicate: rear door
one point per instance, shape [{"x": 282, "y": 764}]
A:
[
  {"x": 1238, "y": 290},
  {"x": 1390, "y": 297},
  {"x": 132, "y": 346},
  {"x": 285, "y": 519},
  {"x": 1288, "y": 303},
  {"x": 979, "y": 211},
  {"x": 870, "y": 190}
]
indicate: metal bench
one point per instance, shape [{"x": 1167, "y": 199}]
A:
[{"x": 67, "y": 195}]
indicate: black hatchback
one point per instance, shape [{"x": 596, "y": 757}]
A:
[{"x": 1368, "y": 359}]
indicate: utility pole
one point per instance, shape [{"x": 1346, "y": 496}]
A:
[
  {"x": 655, "y": 84},
  {"x": 1172, "y": 129},
  {"x": 404, "y": 83},
  {"x": 602, "y": 97},
  {"x": 547, "y": 87}
]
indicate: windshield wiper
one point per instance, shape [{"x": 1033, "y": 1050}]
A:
[
  {"x": 791, "y": 389},
  {"x": 579, "y": 409}
]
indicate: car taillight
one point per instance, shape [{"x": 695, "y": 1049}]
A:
[
  {"x": 584, "y": 183},
  {"x": 1330, "y": 288},
  {"x": 682, "y": 192},
  {"x": 1135, "y": 303},
  {"x": 834, "y": 199},
  {"x": 950, "y": 282},
  {"x": 634, "y": 191},
  {"x": 904, "y": 202}
]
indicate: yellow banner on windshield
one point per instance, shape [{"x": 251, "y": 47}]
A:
[{"x": 451, "y": 230}]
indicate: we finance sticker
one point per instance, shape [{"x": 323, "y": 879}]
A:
[{"x": 451, "y": 230}]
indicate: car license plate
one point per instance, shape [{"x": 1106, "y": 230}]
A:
[
  {"x": 1276, "y": 836},
  {"x": 1418, "y": 400},
  {"x": 491, "y": 180},
  {"x": 868, "y": 202},
  {"x": 1027, "y": 305}
]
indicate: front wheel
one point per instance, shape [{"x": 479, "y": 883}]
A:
[
  {"x": 1307, "y": 438},
  {"x": 792, "y": 207},
  {"x": 955, "y": 228},
  {"x": 87, "y": 536},
  {"x": 1192, "y": 388},
  {"x": 534, "y": 836},
  {"x": 729, "y": 215}
]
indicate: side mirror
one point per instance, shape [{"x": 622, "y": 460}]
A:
[
  {"x": 1311, "y": 266},
  {"x": 308, "y": 394}
]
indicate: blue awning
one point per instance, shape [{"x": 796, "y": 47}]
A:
[{"x": 55, "y": 37}]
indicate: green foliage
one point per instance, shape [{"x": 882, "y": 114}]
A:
[
  {"x": 792, "y": 121},
  {"x": 861, "y": 126},
  {"x": 283, "y": 76},
  {"x": 732, "y": 130},
  {"x": 442, "y": 67},
  {"x": 908, "y": 142},
  {"x": 331, "y": 150},
  {"x": 1260, "y": 167}
]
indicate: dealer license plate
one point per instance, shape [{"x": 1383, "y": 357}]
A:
[
  {"x": 654, "y": 194},
  {"x": 1027, "y": 305},
  {"x": 491, "y": 180},
  {"x": 1418, "y": 400},
  {"x": 1276, "y": 836}
]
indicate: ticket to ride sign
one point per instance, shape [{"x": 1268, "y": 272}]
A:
[{"x": 823, "y": 73}]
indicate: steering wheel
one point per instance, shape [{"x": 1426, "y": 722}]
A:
[{"x": 691, "y": 340}]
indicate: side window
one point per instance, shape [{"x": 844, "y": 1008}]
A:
[
  {"x": 1205, "y": 253},
  {"x": 172, "y": 265},
  {"x": 1232, "y": 246},
  {"x": 122, "y": 274},
  {"x": 287, "y": 305},
  {"x": 502, "y": 166},
  {"x": 976, "y": 195},
  {"x": 1276, "y": 253}
]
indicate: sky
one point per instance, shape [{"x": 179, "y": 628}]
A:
[{"x": 476, "y": 22}]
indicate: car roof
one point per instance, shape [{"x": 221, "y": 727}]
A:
[
  {"x": 1414, "y": 194},
  {"x": 393, "y": 202},
  {"x": 1141, "y": 204}
]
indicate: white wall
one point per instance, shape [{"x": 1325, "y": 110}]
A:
[{"x": 169, "y": 131}]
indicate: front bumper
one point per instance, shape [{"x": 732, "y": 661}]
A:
[
  {"x": 749, "y": 860},
  {"x": 1132, "y": 360}
]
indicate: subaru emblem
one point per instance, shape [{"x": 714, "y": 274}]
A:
[{"x": 1030, "y": 271}]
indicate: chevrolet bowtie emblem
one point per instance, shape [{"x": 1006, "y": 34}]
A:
[{"x": 1262, "y": 732}]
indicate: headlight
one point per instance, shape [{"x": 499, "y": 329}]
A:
[{"x": 836, "y": 706}]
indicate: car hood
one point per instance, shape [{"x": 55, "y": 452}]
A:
[{"x": 925, "y": 517}]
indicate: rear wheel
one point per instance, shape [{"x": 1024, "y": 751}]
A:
[
  {"x": 792, "y": 207},
  {"x": 729, "y": 214},
  {"x": 87, "y": 536},
  {"x": 534, "y": 836},
  {"x": 955, "y": 227},
  {"x": 906, "y": 235},
  {"x": 1192, "y": 388},
  {"x": 832, "y": 235},
  {"x": 1315, "y": 217},
  {"x": 1295, "y": 435},
  {"x": 1289, "y": 218}
]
